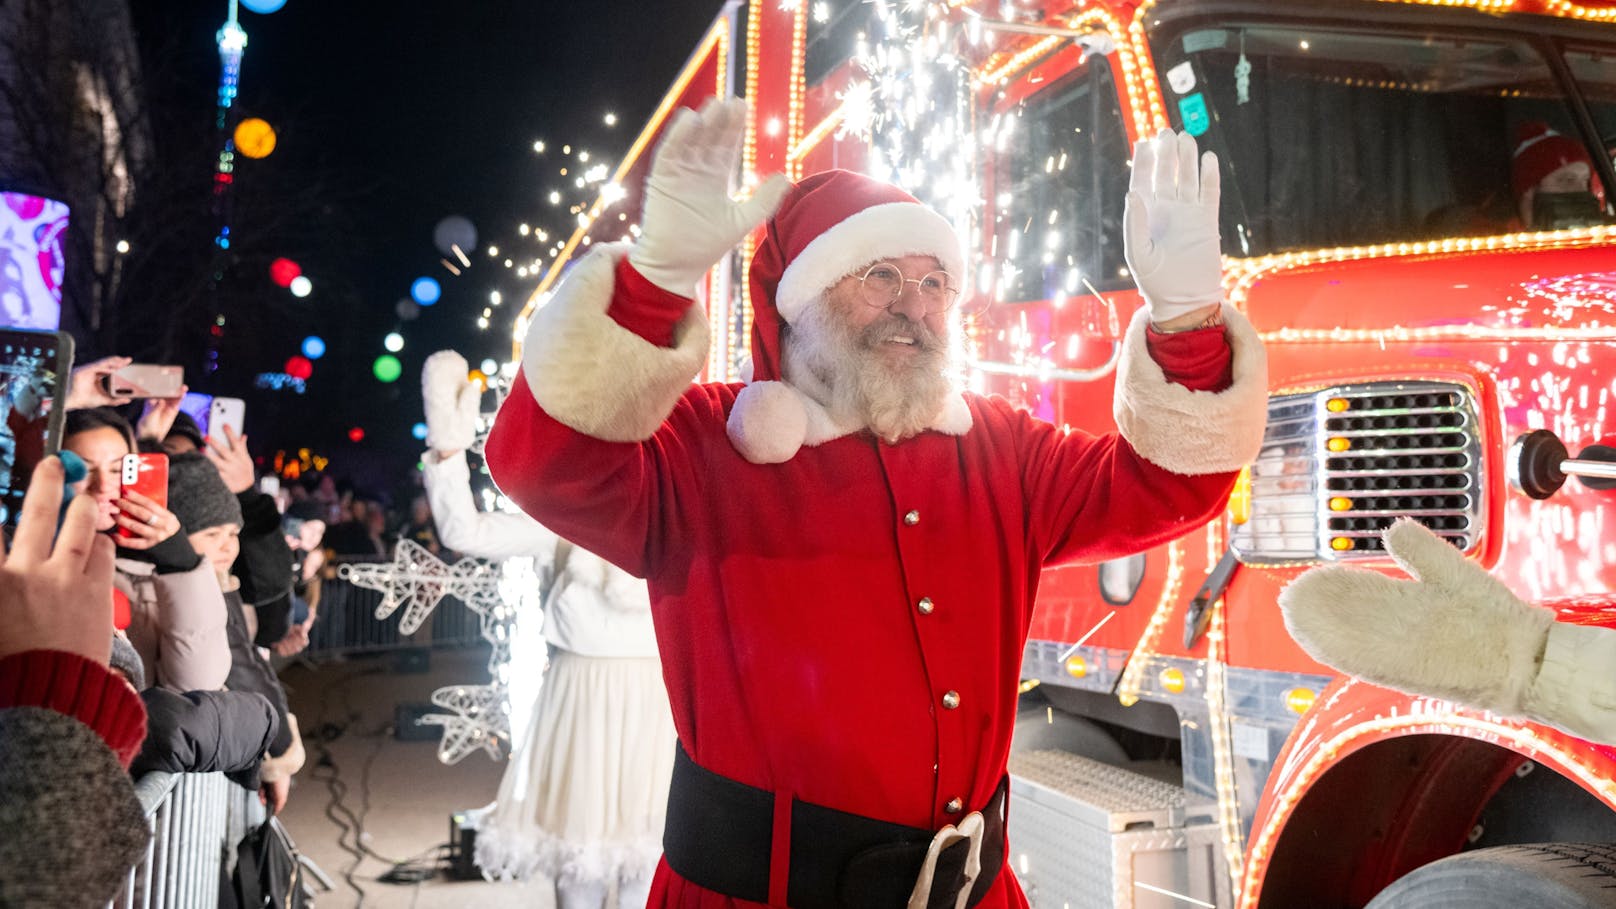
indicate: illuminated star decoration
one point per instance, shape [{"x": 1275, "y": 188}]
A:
[
  {"x": 480, "y": 714},
  {"x": 418, "y": 580},
  {"x": 479, "y": 719}
]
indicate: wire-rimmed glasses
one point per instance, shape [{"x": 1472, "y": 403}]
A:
[{"x": 882, "y": 284}]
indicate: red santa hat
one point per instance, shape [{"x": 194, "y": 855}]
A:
[
  {"x": 1540, "y": 151},
  {"x": 827, "y": 227}
]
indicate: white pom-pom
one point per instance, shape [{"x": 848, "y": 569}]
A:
[{"x": 768, "y": 424}]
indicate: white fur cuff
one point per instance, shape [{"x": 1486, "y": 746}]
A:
[
  {"x": 597, "y": 376},
  {"x": 1193, "y": 432}
]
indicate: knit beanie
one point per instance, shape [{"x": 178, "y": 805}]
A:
[{"x": 197, "y": 494}]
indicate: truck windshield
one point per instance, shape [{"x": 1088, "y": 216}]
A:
[{"x": 1335, "y": 137}]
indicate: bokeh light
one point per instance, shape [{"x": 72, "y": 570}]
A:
[
  {"x": 387, "y": 368},
  {"x": 284, "y": 271},
  {"x": 425, "y": 291},
  {"x": 255, "y": 138}
]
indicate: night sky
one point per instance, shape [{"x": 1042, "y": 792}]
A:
[{"x": 405, "y": 113}]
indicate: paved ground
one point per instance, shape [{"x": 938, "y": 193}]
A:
[{"x": 362, "y": 786}]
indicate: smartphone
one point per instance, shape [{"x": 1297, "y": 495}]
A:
[
  {"x": 34, "y": 368},
  {"x": 144, "y": 380},
  {"x": 269, "y": 484},
  {"x": 146, "y": 474},
  {"x": 224, "y": 412}
]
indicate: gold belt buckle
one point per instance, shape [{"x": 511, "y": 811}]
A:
[{"x": 970, "y": 828}]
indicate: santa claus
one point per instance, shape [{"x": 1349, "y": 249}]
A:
[{"x": 843, "y": 553}]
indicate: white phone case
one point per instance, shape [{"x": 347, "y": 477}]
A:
[{"x": 225, "y": 412}]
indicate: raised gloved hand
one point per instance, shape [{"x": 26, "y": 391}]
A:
[
  {"x": 1455, "y": 632},
  {"x": 1170, "y": 226},
  {"x": 689, "y": 221},
  {"x": 452, "y": 401}
]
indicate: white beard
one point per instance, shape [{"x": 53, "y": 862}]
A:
[{"x": 840, "y": 367}]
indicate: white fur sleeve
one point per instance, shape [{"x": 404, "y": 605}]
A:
[
  {"x": 597, "y": 376},
  {"x": 1193, "y": 432},
  {"x": 491, "y": 535}
]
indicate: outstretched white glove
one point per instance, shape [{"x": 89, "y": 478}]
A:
[
  {"x": 1170, "y": 226},
  {"x": 452, "y": 401},
  {"x": 1455, "y": 632},
  {"x": 689, "y": 221}
]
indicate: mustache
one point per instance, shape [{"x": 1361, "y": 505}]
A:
[{"x": 889, "y": 327}]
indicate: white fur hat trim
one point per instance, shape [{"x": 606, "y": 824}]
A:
[{"x": 869, "y": 235}]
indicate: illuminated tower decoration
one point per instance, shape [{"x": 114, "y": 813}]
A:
[
  {"x": 232, "y": 44},
  {"x": 232, "y": 41}
]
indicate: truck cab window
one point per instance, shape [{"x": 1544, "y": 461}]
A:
[
  {"x": 1335, "y": 137},
  {"x": 1065, "y": 177},
  {"x": 1595, "y": 73}
]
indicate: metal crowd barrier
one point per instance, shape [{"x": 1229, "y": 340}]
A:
[
  {"x": 189, "y": 815},
  {"x": 347, "y": 624}
]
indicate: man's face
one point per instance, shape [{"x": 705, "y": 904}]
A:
[
  {"x": 847, "y": 299},
  {"x": 1567, "y": 178},
  {"x": 886, "y": 368}
]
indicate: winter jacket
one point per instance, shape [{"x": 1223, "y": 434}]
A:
[
  {"x": 206, "y": 731},
  {"x": 262, "y": 566},
  {"x": 593, "y": 608},
  {"x": 249, "y": 671},
  {"x": 177, "y": 624}
]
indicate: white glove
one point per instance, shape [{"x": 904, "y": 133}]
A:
[
  {"x": 689, "y": 221},
  {"x": 451, "y": 400},
  {"x": 1455, "y": 632},
  {"x": 1170, "y": 226}
]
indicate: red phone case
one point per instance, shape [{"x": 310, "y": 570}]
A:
[{"x": 146, "y": 474}]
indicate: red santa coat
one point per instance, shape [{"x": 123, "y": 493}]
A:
[{"x": 847, "y": 626}]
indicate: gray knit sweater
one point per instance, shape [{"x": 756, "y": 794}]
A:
[{"x": 70, "y": 825}]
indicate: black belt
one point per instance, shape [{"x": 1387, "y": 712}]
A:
[{"x": 719, "y": 836}]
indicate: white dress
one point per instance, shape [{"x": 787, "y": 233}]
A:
[{"x": 586, "y": 791}]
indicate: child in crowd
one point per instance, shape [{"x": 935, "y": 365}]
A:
[{"x": 211, "y": 517}]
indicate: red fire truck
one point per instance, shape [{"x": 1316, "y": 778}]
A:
[{"x": 1437, "y": 350}]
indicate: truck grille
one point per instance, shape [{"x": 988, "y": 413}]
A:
[{"x": 1339, "y": 465}]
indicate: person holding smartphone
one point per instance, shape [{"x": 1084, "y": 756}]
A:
[{"x": 177, "y": 612}]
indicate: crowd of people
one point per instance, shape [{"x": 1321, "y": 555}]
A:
[
  {"x": 207, "y": 583},
  {"x": 207, "y": 589}
]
